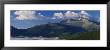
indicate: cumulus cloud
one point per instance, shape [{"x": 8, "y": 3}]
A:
[
  {"x": 29, "y": 15},
  {"x": 58, "y": 15},
  {"x": 70, "y": 14},
  {"x": 25, "y": 15},
  {"x": 84, "y": 14}
]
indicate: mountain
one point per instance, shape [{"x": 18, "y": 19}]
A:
[
  {"x": 19, "y": 32},
  {"x": 46, "y": 30},
  {"x": 87, "y": 24}
]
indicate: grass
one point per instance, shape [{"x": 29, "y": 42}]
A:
[{"x": 81, "y": 36}]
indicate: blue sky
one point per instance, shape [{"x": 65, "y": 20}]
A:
[{"x": 19, "y": 19}]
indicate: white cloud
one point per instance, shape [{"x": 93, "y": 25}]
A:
[
  {"x": 84, "y": 14},
  {"x": 75, "y": 14},
  {"x": 25, "y": 15},
  {"x": 70, "y": 14},
  {"x": 58, "y": 15}
]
